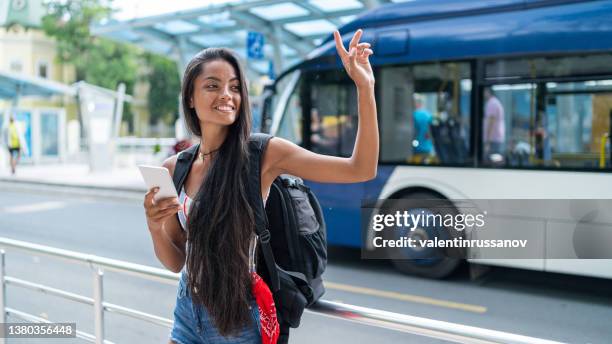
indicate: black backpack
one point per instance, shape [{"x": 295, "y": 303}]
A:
[{"x": 291, "y": 231}]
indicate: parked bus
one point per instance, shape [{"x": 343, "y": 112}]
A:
[{"x": 542, "y": 68}]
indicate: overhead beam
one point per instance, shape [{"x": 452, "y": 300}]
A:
[{"x": 317, "y": 12}]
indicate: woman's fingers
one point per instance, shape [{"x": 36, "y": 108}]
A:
[
  {"x": 361, "y": 50},
  {"x": 352, "y": 60},
  {"x": 148, "y": 200},
  {"x": 167, "y": 202},
  {"x": 363, "y": 57},
  {"x": 339, "y": 45},
  {"x": 156, "y": 210},
  {"x": 164, "y": 213},
  {"x": 355, "y": 39}
]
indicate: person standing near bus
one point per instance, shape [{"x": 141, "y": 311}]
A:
[
  {"x": 494, "y": 128},
  {"x": 13, "y": 143},
  {"x": 422, "y": 144}
]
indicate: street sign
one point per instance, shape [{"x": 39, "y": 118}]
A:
[{"x": 255, "y": 45}]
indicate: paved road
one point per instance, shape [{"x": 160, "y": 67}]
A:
[{"x": 559, "y": 307}]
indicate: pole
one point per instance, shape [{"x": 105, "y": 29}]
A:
[{"x": 98, "y": 307}]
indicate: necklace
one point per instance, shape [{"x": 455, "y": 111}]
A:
[{"x": 202, "y": 155}]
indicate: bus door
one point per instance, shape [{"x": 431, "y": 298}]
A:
[{"x": 330, "y": 128}]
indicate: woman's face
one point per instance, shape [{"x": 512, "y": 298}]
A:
[{"x": 216, "y": 93}]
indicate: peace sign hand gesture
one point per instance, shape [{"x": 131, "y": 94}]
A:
[{"x": 355, "y": 60}]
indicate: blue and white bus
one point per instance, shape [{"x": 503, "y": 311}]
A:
[{"x": 438, "y": 64}]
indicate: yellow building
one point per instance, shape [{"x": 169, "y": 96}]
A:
[
  {"x": 27, "y": 50},
  {"x": 52, "y": 124}
]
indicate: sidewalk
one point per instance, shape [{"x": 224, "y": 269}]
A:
[{"x": 126, "y": 180}]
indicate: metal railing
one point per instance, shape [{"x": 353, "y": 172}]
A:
[
  {"x": 388, "y": 320},
  {"x": 146, "y": 144}
]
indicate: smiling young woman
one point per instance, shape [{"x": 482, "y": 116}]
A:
[{"x": 212, "y": 240}]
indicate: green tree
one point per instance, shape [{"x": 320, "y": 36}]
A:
[
  {"x": 164, "y": 90},
  {"x": 97, "y": 60}
]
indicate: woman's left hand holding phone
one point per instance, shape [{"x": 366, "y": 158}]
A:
[{"x": 158, "y": 211}]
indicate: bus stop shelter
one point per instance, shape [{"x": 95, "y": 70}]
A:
[
  {"x": 272, "y": 35},
  {"x": 13, "y": 86},
  {"x": 100, "y": 112}
]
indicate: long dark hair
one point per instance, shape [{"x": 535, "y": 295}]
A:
[{"x": 221, "y": 220}]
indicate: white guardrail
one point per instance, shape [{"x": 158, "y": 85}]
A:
[{"x": 388, "y": 320}]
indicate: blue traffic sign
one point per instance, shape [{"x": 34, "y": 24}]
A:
[{"x": 255, "y": 45}]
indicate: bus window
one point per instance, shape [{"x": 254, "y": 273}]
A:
[
  {"x": 548, "y": 122},
  {"x": 576, "y": 134},
  {"x": 290, "y": 127},
  {"x": 333, "y": 122},
  {"x": 425, "y": 113},
  {"x": 507, "y": 118},
  {"x": 557, "y": 125},
  {"x": 548, "y": 67}
]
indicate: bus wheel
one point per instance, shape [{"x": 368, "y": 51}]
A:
[{"x": 425, "y": 261}]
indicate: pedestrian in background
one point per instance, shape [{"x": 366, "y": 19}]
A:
[
  {"x": 494, "y": 128},
  {"x": 12, "y": 137},
  {"x": 422, "y": 144}
]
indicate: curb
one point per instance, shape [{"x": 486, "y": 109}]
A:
[{"x": 130, "y": 193}]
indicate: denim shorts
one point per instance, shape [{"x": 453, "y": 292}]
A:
[{"x": 193, "y": 324}]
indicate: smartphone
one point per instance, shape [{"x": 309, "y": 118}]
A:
[{"x": 155, "y": 176}]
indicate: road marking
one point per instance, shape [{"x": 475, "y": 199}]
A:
[
  {"x": 32, "y": 208},
  {"x": 406, "y": 297}
]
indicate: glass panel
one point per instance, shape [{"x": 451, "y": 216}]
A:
[
  {"x": 336, "y": 5},
  {"x": 578, "y": 122},
  {"x": 290, "y": 127},
  {"x": 24, "y": 120},
  {"x": 508, "y": 111},
  {"x": 547, "y": 67},
  {"x": 279, "y": 11},
  {"x": 176, "y": 27},
  {"x": 311, "y": 27},
  {"x": 334, "y": 116},
  {"x": 425, "y": 113},
  {"x": 555, "y": 125},
  {"x": 49, "y": 130}
]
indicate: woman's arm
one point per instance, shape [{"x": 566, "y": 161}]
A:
[
  {"x": 169, "y": 244},
  {"x": 168, "y": 237},
  {"x": 286, "y": 157}
]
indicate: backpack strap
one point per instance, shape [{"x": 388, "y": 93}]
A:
[
  {"x": 257, "y": 146},
  {"x": 184, "y": 160}
]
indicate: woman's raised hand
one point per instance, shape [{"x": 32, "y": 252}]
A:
[
  {"x": 158, "y": 211},
  {"x": 355, "y": 60}
]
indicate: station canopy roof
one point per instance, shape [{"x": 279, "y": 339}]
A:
[
  {"x": 15, "y": 85},
  {"x": 291, "y": 29}
]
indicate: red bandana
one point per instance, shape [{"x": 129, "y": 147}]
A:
[{"x": 270, "y": 329}]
